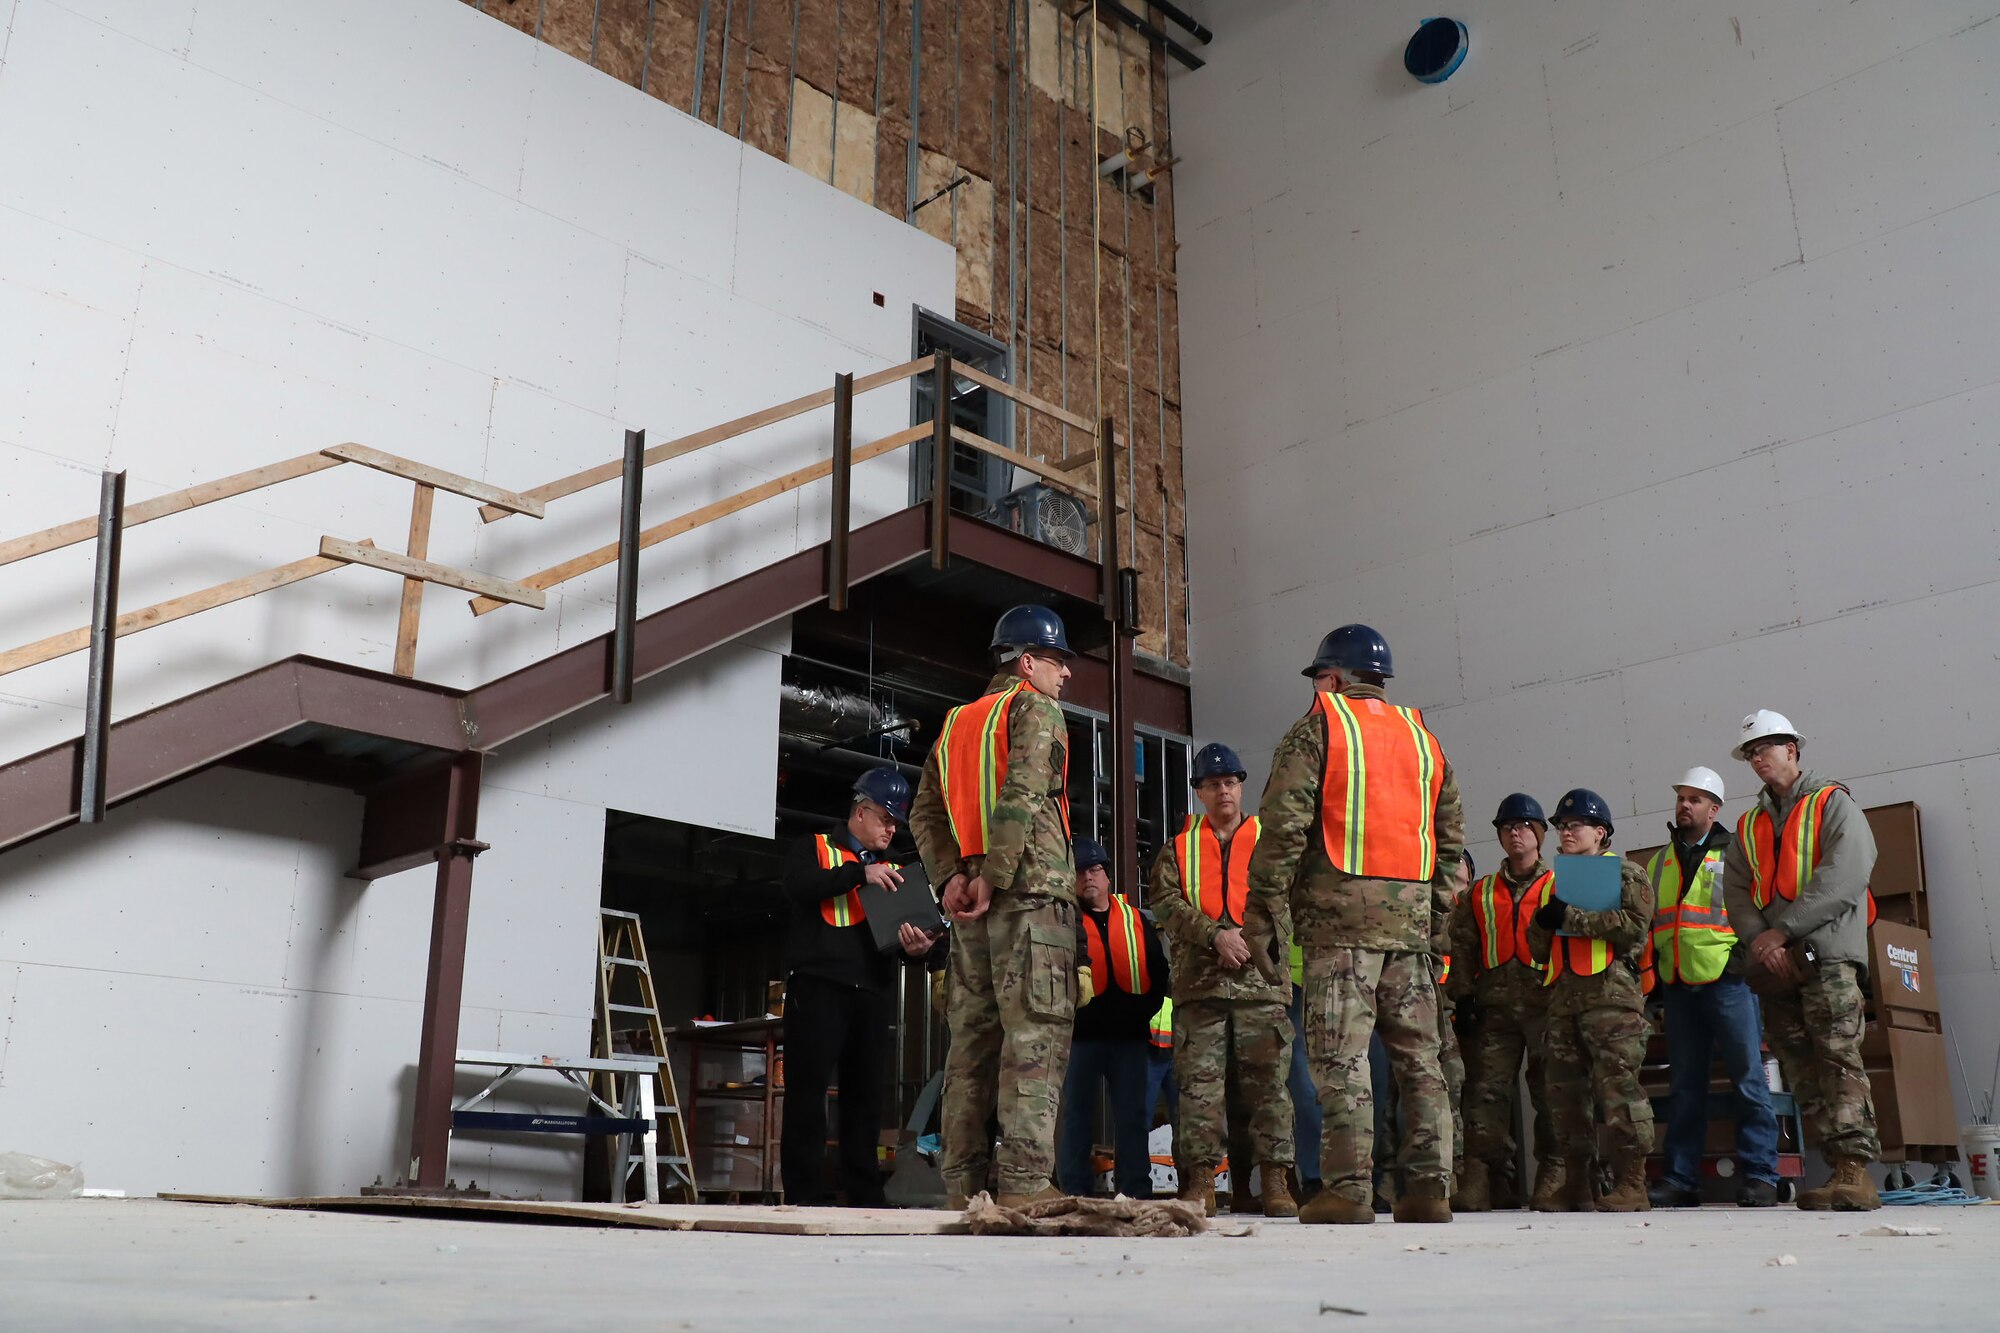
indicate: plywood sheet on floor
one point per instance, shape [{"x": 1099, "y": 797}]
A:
[{"x": 749, "y": 1219}]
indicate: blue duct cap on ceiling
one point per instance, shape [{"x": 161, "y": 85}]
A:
[{"x": 1436, "y": 50}]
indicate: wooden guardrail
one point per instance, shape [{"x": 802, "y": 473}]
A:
[{"x": 416, "y": 570}]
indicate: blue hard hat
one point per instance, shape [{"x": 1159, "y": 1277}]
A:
[
  {"x": 1585, "y": 804},
  {"x": 1217, "y": 760},
  {"x": 1032, "y": 627},
  {"x": 1352, "y": 648},
  {"x": 887, "y": 788},
  {"x": 1090, "y": 852},
  {"x": 1520, "y": 805}
]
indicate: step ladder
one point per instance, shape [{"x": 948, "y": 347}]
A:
[{"x": 627, "y": 1004}]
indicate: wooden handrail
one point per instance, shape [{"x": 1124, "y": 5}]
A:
[
  {"x": 1046, "y": 471},
  {"x": 425, "y": 475},
  {"x": 161, "y": 613},
  {"x": 466, "y": 580},
  {"x": 1024, "y": 398},
  {"x": 708, "y": 513},
  {"x": 174, "y": 502},
  {"x": 701, "y": 439}
]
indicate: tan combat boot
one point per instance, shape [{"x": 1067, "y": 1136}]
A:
[
  {"x": 1198, "y": 1186},
  {"x": 1475, "y": 1188},
  {"x": 1277, "y": 1192},
  {"x": 1012, "y": 1199},
  {"x": 1550, "y": 1175},
  {"x": 954, "y": 1200},
  {"x": 1628, "y": 1190},
  {"x": 1330, "y": 1209},
  {"x": 1853, "y": 1188},
  {"x": 1569, "y": 1188},
  {"x": 1820, "y": 1200},
  {"x": 1423, "y": 1201}
]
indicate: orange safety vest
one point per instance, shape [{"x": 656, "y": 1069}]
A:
[
  {"x": 1215, "y": 876},
  {"x": 1117, "y": 949},
  {"x": 1587, "y": 957},
  {"x": 1378, "y": 799},
  {"x": 972, "y": 765},
  {"x": 1780, "y": 867},
  {"x": 1502, "y": 922},
  {"x": 846, "y": 909},
  {"x": 1444, "y": 974}
]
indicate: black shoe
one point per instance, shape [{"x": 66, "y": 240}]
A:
[
  {"x": 1306, "y": 1190},
  {"x": 1757, "y": 1194},
  {"x": 1663, "y": 1195}
]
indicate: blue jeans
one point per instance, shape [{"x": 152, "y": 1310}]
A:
[
  {"x": 1122, "y": 1066},
  {"x": 1305, "y": 1097},
  {"x": 1160, "y": 1078},
  {"x": 1703, "y": 1022}
]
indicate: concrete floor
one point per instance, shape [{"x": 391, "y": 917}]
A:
[{"x": 117, "y": 1264}]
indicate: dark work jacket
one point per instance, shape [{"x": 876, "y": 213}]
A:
[
  {"x": 1718, "y": 839},
  {"x": 842, "y": 954},
  {"x": 1115, "y": 1015}
]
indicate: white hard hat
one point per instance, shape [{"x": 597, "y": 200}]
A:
[
  {"x": 1761, "y": 724},
  {"x": 1703, "y": 779}
]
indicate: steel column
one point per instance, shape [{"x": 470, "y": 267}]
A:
[
  {"x": 843, "y": 480},
  {"x": 627, "y": 612},
  {"x": 437, "y": 1056},
  {"x": 103, "y": 642}
]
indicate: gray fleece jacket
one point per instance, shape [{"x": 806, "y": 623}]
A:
[{"x": 1831, "y": 910}]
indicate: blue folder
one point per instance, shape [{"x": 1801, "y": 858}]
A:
[{"x": 1590, "y": 883}]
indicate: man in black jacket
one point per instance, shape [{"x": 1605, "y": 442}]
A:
[
  {"x": 1112, "y": 1040},
  {"x": 839, "y": 1001}
]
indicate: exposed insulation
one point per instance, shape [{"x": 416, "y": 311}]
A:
[
  {"x": 896, "y": 65},
  {"x": 858, "y": 45},
  {"x": 854, "y": 151},
  {"x": 811, "y": 147},
  {"x": 819, "y": 43},
  {"x": 621, "y": 39},
  {"x": 934, "y": 172},
  {"x": 975, "y": 245},
  {"x": 527, "y": 17},
  {"x": 566, "y": 25},
  {"x": 892, "y": 145},
  {"x": 767, "y": 123},
  {"x": 670, "y": 68},
  {"x": 1045, "y": 47}
]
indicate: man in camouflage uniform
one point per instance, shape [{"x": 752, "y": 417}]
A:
[
  {"x": 1231, "y": 1032},
  {"x": 1797, "y": 873},
  {"x": 1595, "y": 1038},
  {"x": 1006, "y": 877},
  {"x": 1503, "y": 1004},
  {"x": 1389, "y": 802},
  {"x": 1451, "y": 1060}
]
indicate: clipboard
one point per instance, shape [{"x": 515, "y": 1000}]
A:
[
  {"x": 913, "y": 901},
  {"x": 1590, "y": 883}
]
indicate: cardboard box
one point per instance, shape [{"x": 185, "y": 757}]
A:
[
  {"x": 1899, "y": 850},
  {"x": 735, "y": 1120},
  {"x": 1899, "y": 969},
  {"x": 1913, "y": 1096},
  {"x": 733, "y": 1171},
  {"x": 722, "y": 1067}
]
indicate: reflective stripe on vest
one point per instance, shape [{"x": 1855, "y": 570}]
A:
[
  {"x": 1444, "y": 974},
  {"x": 1692, "y": 936},
  {"x": 1781, "y": 867},
  {"x": 1161, "y": 1030},
  {"x": 972, "y": 765},
  {"x": 1502, "y": 922},
  {"x": 1298, "y": 965},
  {"x": 846, "y": 909},
  {"x": 1378, "y": 799},
  {"x": 1121, "y": 958},
  {"x": 1215, "y": 876},
  {"x": 1580, "y": 954}
]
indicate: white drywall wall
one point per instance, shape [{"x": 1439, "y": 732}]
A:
[
  {"x": 1642, "y": 374},
  {"x": 236, "y": 232}
]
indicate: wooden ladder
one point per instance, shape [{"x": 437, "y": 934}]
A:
[{"x": 626, "y": 1003}]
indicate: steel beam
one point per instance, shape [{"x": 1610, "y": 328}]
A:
[
  {"x": 444, "y": 987},
  {"x": 91, "y": 785}
]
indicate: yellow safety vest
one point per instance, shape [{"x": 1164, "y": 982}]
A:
[
  {"x": 1161, "y": 1030},
  {"x": 1692, "y": 936}
]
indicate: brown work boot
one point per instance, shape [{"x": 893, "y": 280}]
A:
[
  {"x": 1277, "y": 1192},
  {"x": 954, "y": 1200},
  {"x": 1198, "y": 1186},
  {"x": 1423, "y": 1201},
  {"x": 1628, "y": 1189},
  {"x": 1475, "y": 1188},
  {"x": 1563, "y": 1186},
  {"x": 1330, "y": 1209},
  {"x": 1012, "y": 1199},
  {"x": 1853, "y": 1188}
]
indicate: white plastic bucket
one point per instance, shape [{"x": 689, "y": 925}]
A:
[{"x": 1982, "y": 1159}]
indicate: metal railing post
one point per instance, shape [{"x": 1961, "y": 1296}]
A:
[
  {"x": 843, "y": 476},
  {"x": 627, "y": 611},
  {"x": 941, "y": 463},
  {"x": 91, "y": 794}
]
